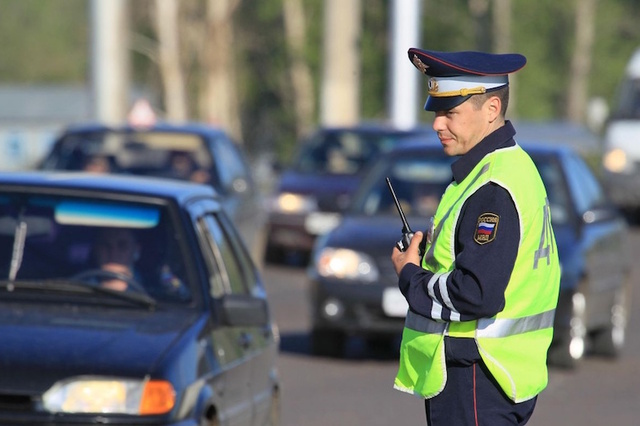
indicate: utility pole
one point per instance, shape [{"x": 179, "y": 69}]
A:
[
  {"x": 109, "y": 60},
  {"x": 405, "y": 33},
  {"x": 340, "y": 93}
]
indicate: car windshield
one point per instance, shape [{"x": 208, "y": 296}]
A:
[
  {"x": 628, "y": 102},
  {"x": 418, "y": 182},
  {"x": 151, "y": 153},
  {"x": 343, "y": 152},
  {"x": 79, "y": 245}
]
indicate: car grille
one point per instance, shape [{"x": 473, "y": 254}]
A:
[
  {"x": 15, "y": 403},
  {"x": 386, "y": 269}
]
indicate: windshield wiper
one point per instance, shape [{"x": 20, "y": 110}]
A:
[
  {"x": 18, "y": 248},
  {"x": 76, "y": 287}
]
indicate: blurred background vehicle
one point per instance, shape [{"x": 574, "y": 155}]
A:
[
  {"x": 353, "y": 287},
  {"x": 621, "y": 150},
  {"x": 317, "y": 187},
  {"x": 190, "y": 152},
  {"x": 187, "y": 340}
]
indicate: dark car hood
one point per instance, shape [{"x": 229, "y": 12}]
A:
[
  {"x": 332, "y": 191},
  {"x": 374, "y": 235},
  {"x": 41, "y": 345}
]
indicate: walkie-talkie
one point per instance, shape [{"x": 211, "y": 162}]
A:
[{"x": 407, "y": 233}]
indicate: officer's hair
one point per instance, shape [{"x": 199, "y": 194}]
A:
[{"x": 502, "y": 93}]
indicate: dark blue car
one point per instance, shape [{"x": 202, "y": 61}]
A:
[
  {"x": 312, "y": 193},
  {"x": 129, "y": 300},
  {"x": 354, "y": 287}
]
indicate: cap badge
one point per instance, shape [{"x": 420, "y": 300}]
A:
[
  {"x": 419, "y": 64},
  {"x": 433, "y": 85}
]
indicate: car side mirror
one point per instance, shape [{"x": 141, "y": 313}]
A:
[{"x": 244, "y": 310}]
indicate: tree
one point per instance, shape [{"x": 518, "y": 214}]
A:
[
  {"x": 577, "y": 91},
  {"x": 219, "y": 102},
  {"x": 341, "y": 64},
  {"x": 167, "y": 28},
  {"x": 503, "y": 40},
  {"x": 301, "y": 77}
]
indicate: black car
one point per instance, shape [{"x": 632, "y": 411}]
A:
[
  {"x": 354, "y": 286},
  {"x": 317, "y": 187},
  {"x": 182, "y": 335},
  {"x": 190, "y": 151}
]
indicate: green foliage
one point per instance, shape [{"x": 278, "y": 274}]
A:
[
  {"x": 44, "y": 41},
  {"x": 374, "y": 48},
  {"x": 48, "y": 41}
]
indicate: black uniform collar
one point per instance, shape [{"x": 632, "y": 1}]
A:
[{"x": 501, "y": 138}]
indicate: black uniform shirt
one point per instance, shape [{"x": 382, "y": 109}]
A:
[{"x": 477, "y": 285}]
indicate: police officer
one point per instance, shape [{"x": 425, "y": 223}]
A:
[{"x": 482, "y": 297}]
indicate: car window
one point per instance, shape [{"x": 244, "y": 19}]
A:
[
  {"x": 109, "y": 244},
  {"x": 234, "y": 173},
  {"x": 587, "y": 191},
  {"x": 418, "y": 183},
  {"x": 225, "y": 268},
  {"x": 342, "y": 152},
  {"x": 628, "y": 102},
  {"x": 176, "y": 155}
]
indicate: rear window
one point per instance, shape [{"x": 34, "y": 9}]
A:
[{"x": 149, "y": 153}]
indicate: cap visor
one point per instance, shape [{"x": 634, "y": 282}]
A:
[{"x": 444, "y": 103}]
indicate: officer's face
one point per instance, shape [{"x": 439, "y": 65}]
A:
[{"x": 462, "y": 127}]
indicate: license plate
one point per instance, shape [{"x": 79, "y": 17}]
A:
[{"x": 393, "y": 303}]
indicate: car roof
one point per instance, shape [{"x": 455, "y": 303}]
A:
[
  {"x": 179, "y": 191},
  {"x": 196, "y": 128},
  {"x": 373, "y": 127},
  {"x": 420, "y": 145}
]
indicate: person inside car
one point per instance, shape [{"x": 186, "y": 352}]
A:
[
  {"x": 183, "y": 166},
  {"x": 116, "y": 251}
]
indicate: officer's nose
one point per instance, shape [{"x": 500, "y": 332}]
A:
[{"x": 438, "y": 123}]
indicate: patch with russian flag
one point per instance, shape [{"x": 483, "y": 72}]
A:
[{"x": 486, "y": 228}]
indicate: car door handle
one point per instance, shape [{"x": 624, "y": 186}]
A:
[{"x": 245, "y": 340}]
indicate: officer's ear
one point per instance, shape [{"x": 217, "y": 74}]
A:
[{"x": 493, "y": 106}]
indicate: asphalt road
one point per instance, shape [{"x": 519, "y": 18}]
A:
[{"x": 357, "y": 390}]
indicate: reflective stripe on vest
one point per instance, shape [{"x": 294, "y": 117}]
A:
[{"x": 487, "y": 327}]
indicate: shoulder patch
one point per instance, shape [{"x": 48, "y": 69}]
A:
[{"x": 486, "y": 228}]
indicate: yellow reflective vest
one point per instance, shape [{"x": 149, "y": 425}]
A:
[{"x": 514, "y": 343}]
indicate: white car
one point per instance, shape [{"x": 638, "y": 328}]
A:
[{"x": 621, "y": 159}]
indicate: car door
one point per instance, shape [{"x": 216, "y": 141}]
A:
[
  {"x": 241, "y": 198},
  {"x": 603, "y": 235},
  {"x": 231, "y": 341},
  {"x": 263, "y": 347}
]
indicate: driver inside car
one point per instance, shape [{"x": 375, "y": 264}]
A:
[{"x": 116, "y": 251}]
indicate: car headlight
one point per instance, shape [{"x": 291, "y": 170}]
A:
[
  {"x": 288, "y": 202},
  {"x": 616, "y": 161},
  {"x": 346, "y": 264},
  {"x": 104, "y": 395}
]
